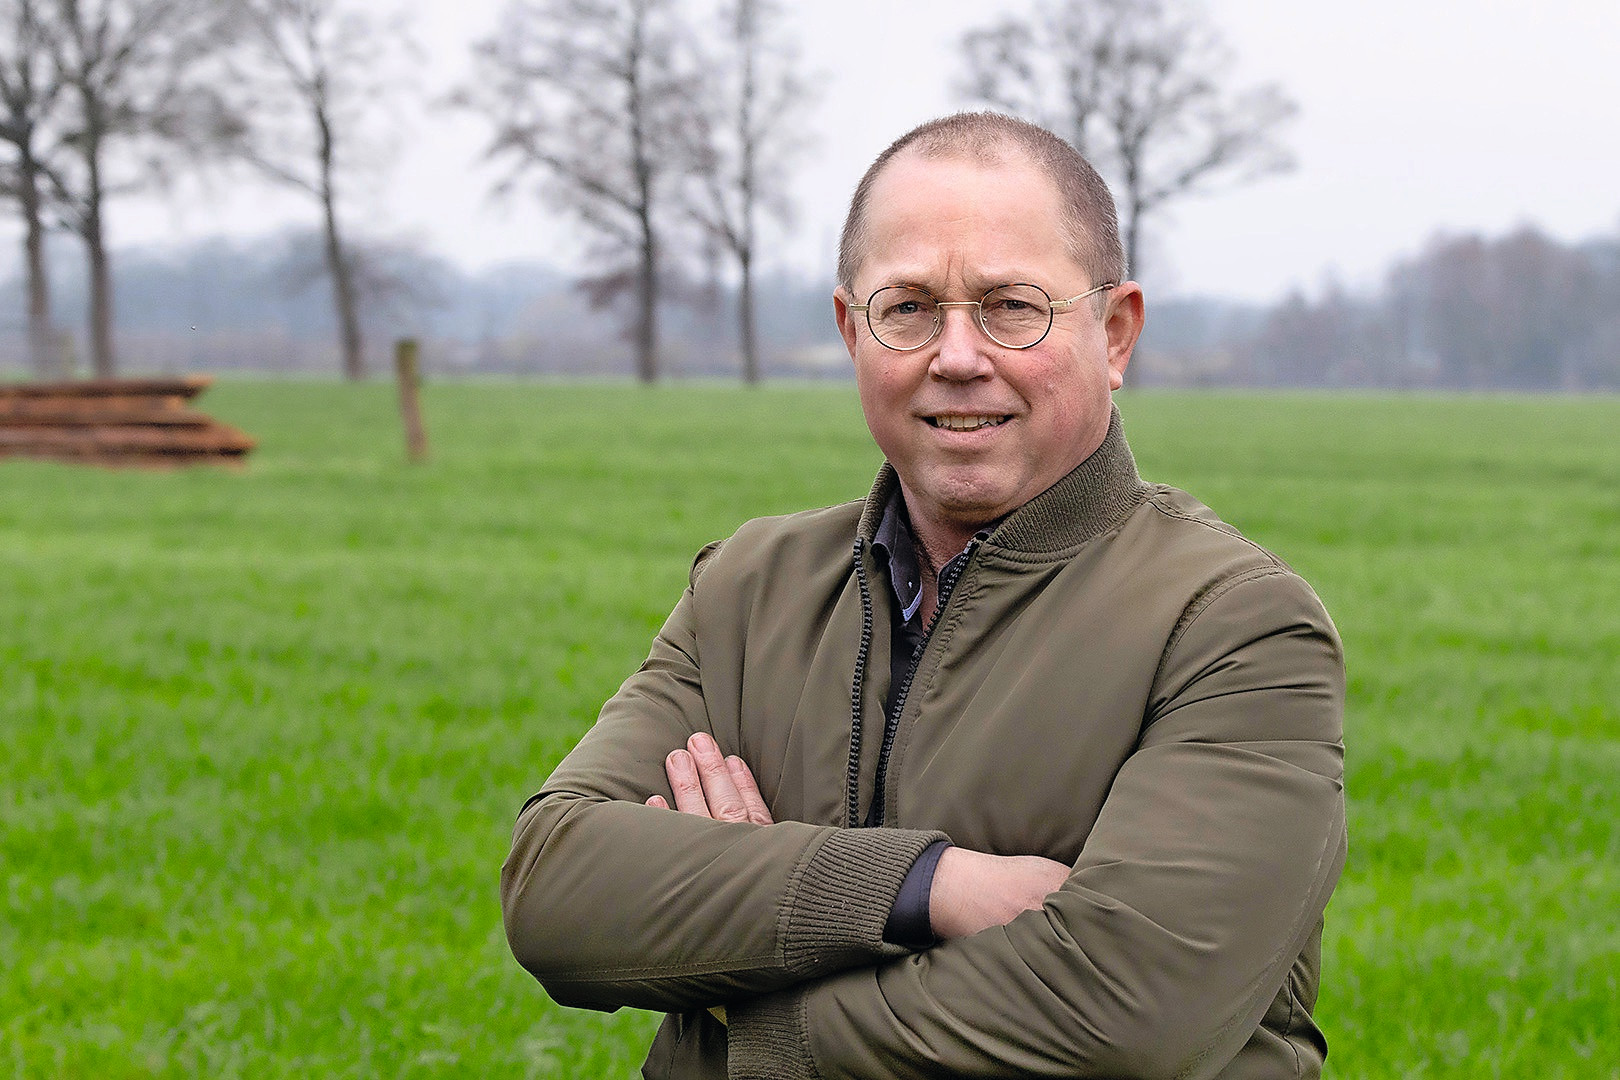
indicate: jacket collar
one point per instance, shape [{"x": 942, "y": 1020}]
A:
[{"x": 1095, "y": 497}]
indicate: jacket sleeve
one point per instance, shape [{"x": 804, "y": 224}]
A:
[
  {"x": 610, "y": 902},
  {"x": 1206, "y": 872}
]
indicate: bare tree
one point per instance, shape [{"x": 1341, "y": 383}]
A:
[
  {"x": 1521, "y": 311},
  {"x": 134, "y": 72},
  {"x": 748, "y": 133},
  {"x": 29, "y": 94},
  {"x": 1136, "y": 86},
  {"x": 395, "y": 280},
  {"x": 592, "y": 97},
  {"x": 314, "y": 78}
]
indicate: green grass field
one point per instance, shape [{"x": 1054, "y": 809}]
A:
[{"x": 263, "y": 734}]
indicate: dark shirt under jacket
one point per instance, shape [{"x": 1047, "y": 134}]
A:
[{"x": 897, "y": 552}]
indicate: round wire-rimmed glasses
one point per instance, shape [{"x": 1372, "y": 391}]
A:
[{"x": 1017, "y": 316}]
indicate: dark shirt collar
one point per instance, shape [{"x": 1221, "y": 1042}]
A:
[{"x": 897, "y": 550}]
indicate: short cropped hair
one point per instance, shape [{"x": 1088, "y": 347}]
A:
[{"x": 1090, "y": 223}]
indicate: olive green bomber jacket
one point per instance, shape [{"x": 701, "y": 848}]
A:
[{"x": 1118, "y": 681}]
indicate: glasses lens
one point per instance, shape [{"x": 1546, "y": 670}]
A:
[
  {"x": 902, "y": 318},
  {"x": 1016, "y": 315}
]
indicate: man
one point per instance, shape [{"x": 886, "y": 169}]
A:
[{"x": 1020, "y": 767}]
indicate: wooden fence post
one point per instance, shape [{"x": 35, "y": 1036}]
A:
[{"x": 408, "y": 371}]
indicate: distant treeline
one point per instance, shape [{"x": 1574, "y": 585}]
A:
[
  {"x": 262, "y": 305},
  {"x": 1521, "y": 311},
  {"x": 1517, "y": 312}
]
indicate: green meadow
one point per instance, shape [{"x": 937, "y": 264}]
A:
[{"x": 263, "y": 733}]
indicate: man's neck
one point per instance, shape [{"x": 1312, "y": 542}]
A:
[{"x": 937, "y": 542}]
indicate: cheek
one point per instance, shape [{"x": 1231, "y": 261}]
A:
[
  {"x": 1052, "y": 394},
  {"x": 883, "y": 399},
  {"x": 1067, "y": 400}
]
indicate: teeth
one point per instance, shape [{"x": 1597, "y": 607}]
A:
[{"x": 966, "y": 423}]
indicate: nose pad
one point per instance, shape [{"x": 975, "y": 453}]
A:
[{"x": 962, "y": 344}]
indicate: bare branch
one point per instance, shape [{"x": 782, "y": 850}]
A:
[
  {"x": 104, "y": 96},
  {"x": 1138, "y": 87},
  {"x": 743, "y": 136},
  {"x": 593, "y": 98},
  {"x": 316, "y": 78}
]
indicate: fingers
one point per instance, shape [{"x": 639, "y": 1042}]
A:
[
  {"x": 725, "y": 802},
  {"x": 743, "y": 779},
  {"x": 682, "y": 773},
  {"x": 710, "y": 785}
]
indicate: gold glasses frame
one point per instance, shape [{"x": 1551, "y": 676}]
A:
[{"x": 1053, "y": 308}]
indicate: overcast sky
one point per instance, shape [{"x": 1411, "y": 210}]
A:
[{"x": 1415, "y": 116}]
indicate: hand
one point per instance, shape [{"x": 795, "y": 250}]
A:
[
  {"x": 712, "y": 786},
  {"x": 974, "y": 891}
]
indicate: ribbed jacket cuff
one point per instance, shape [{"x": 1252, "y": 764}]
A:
[
  {"x": 835, "y": 915},
  {"x": 768, "y": 1038}
]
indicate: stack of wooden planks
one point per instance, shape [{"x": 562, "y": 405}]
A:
[{"x": 142, "y": 422}]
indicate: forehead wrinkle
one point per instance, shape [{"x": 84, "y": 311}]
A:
[
  {"x": 969, "y": 240},
  {"x": 949, "y": 270},
  {"x": 975, "y": 283}
]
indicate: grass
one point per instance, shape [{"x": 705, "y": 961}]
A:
[{"x": 262, "y": 734}]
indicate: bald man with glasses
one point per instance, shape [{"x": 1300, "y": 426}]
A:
[{"x": 1020, "y": 766}]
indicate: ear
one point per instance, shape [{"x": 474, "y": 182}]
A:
[
  {"x": 845, "y": 318},
  {"x": 1122, "y": 320}
]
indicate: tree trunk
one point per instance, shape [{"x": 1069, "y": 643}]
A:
[
  {"x": 647, "y": 320},
  {"x": 1133, "y": 238},
  {"x": 42, "y": 355},
  {"x": 103, "y": 360},
  {"x": 745, "y": 319},
  {"x": 344, "y": 301},
  {"x": 642, "y": 163},
  {"x": 343, "y": 298},
  {"x": 748, "y": 42}
]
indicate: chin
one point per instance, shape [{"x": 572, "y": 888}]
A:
[{"x": 973, "y": 504}]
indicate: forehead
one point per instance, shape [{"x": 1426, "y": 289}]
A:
[{"x": 957, "y": 221}]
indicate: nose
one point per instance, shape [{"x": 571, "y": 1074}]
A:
[{"x": 962, "y": 349}]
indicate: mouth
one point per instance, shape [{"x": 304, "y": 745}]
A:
[{"x": 967, "y": 423}]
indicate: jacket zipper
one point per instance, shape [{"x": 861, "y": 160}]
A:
[
  {"x": 891, "y": 721},
  {"x": 852, "y": 774}
]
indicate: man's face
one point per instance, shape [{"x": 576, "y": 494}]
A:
[{"x": 958, "y": 228}]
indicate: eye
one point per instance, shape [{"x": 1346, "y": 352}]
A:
[
  {"x": 1016, "y": 302},
  {"x": 902, "y": 303}
]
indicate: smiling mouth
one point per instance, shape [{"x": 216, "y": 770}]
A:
[{"x": 967, "y": 423}]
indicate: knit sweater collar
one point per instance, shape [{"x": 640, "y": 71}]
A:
[{"x": 1096, "y": 496}]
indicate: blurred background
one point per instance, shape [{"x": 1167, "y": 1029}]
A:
[
  {"x": 1398, "y": 196},
  {"x": 263, "y": 731}
]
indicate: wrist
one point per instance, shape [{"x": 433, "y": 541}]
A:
[{"x": 910, "y": 923}]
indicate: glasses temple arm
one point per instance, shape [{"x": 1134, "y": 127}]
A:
[{"x": 1064, "y": 305}]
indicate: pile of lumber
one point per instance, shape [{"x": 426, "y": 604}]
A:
[{"x": 144, "y": 422}]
